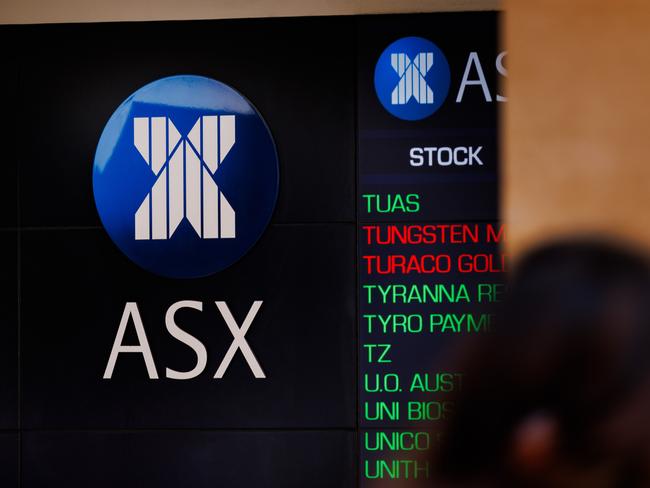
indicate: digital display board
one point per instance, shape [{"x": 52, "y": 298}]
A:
[
  {"x": 159, "y": 330},
  {"x": 429, "y": 264}
]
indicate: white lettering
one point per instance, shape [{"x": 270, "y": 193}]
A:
[
  {"x": 131, "y": 310},
  {"x": 480, "y": 81},
  {"x": 187, "y": 339}
]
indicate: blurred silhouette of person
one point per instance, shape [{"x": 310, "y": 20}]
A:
[{"x": 559, "y": 394}]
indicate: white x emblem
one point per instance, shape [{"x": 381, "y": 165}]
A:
[
  {"x": 184, "y": 186},
  {"x": 411, "y": 82}
]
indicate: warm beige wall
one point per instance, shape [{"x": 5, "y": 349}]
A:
[
  {"x": 577, "y": 124},
  {"x": 39, "y": 11}
]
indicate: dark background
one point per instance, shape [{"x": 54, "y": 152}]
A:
[{"x": 64, "y": 284}]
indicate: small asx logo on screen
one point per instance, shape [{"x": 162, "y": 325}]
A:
[
  {"x": 413, "y": 77},
  {"x": 185, "y": 176}
]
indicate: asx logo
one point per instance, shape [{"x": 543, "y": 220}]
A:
[
  {"x": 412, "y": 82},
  {"x": 132, "y": 315},
  {"x": 413, "y": 77},
  {"x": 185, "y": 176}
]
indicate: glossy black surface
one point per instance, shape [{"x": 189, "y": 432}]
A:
[
  {"x": 8, "y": 330},
  {"x": 10, "y": 124},
  {"x": 9, "y": 460},
  {"x": 233, "y": 459}
]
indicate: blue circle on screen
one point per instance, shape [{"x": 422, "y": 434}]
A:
[
  {"x": 185, "y": 176},
  {"x": 412, "y": 78}
]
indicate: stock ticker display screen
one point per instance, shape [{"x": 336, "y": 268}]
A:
[{"x": 244, "y": 253}]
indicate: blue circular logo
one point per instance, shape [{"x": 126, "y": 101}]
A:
[
  {"x": 185, "y": 176},
  {"x": 412, "y": 78}
]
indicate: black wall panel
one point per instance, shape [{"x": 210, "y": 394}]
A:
[
  {"x": 66, "y": 81},
  {"x": 8, "y": 330},
  {"x": 9, "y": 459},
  {"x": 10, "y": 125},
  {"x": 198, "y": 459}
]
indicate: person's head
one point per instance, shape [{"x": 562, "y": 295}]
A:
[{"x": 559, "y": 393}]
